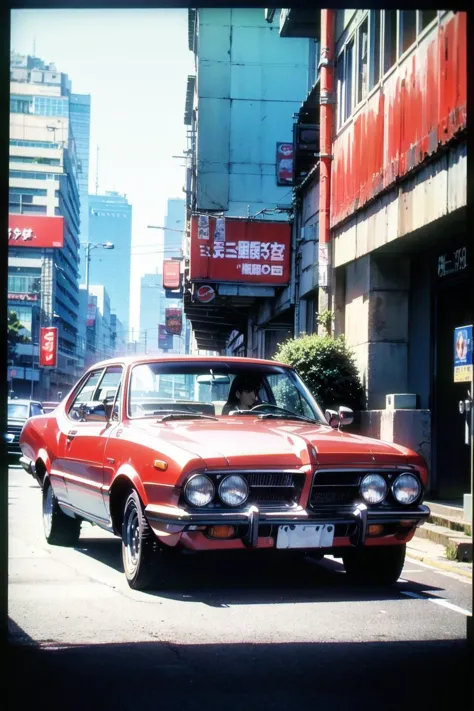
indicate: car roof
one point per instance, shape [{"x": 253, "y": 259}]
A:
[
  {"x": 133, "y": 360},
  {"x": 23, "y": 402}
]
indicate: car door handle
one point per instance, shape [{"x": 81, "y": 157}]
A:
[{"x": 71, "y": 434}]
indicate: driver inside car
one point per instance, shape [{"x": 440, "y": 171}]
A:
[{"x": 243, "y": 394}]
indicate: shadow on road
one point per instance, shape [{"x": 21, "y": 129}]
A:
[
  {"x": 346, "y": 676},
  {"x": 243, "y": 578}
]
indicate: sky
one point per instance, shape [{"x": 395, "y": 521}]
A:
[{"x": 135, "y": 64}]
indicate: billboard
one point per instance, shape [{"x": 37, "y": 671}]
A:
[
  {"x": 174, "y": 321},
  {"x": 35, "y": 231},
  {"x": 49, "y": 347},
  {"x": 165, "y": 341},
  {"x": 284, "y": 164},
  {"x": 91, "y": 314},
  {"x": 171, "y": 274},
  {"x": 252, "y": 251}
]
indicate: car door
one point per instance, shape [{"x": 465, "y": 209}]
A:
[{"x": 83, "y": 438}]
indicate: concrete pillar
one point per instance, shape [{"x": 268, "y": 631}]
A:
[{"x": 376, "y": 323}]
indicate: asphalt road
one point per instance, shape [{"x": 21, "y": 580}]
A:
[{"x": 236, "y": 631}]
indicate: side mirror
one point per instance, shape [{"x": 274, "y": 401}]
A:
[{"x": 341, "y": 418}]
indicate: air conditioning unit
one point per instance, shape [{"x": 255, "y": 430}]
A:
[{"x": 305, "y": 149}]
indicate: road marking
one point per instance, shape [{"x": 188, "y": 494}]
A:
[
  {"x": 438, "y": 601},
  {"x": 447, "y": 573}
]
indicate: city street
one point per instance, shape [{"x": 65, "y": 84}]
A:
[{"x": 233, "y": 634}]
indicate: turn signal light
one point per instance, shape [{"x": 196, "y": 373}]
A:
[
  {"x": 221, "y": 531},
  {"x": 160, "y": 464},
  {"x": 375, "y": 529}
]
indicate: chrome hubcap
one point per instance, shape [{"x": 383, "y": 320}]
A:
[
  {"x": 48, "y": 511},
  {"x": 132, "y": 540}
]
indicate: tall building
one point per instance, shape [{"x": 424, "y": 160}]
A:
[
  {"x": 80, "y": 117},
  {"x": 98, "y": 322},
  {"x": 110, "y": 220},
  {"x": 152, "y": 300},
  {"x": 119, "y": 336},
  {"x": 43, "y": 210}
]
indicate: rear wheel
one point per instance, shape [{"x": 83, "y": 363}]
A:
[
  {"x": 59, "y": 529},
  {"x": 377, "y": 566},
  {"x": 146, "y": 563}
]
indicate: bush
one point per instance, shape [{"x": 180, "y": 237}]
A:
[{"x": 328, "y": 368}]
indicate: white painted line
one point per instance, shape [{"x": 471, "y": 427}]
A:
[
  {"x": 447, "y": 573},
  {"x": 438, "y": 601}
]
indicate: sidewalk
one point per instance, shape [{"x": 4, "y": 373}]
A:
[{"x": 434, "y": 554}]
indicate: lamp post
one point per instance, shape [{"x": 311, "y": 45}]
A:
[{"x": 89, "y": 247}]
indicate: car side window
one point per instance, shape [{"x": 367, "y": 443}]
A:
[
  {"x": 108, "y": 388},
  {"x": 36, "y": 410},
  {"x": 85, "y": 394}
]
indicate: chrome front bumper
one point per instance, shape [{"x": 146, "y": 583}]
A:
[{"x": 253, "y": 517}]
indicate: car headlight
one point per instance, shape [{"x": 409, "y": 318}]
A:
[
  {"x": 199, "y": 490},
  {"x": 406, "y": 488},
  {"x": 234, "y": 490},
  {"x": 373, "y": 488}
]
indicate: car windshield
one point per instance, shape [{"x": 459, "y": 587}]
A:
[
  {"x": 18, "y": 411},
  {"x": 219, "y": 389}
]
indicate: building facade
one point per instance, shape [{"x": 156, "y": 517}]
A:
[
  {"x": 110, "y": 220},
  {"x": 80, "y": 117},
  {"x": 44, "y": 210},
  {"x": 175, "y": 226},
  {"x": 152, "y": 298}
]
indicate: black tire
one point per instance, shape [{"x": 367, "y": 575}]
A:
[
  {"x": 376, "y": 566},
  {"x": 59, "y": 528},
  {"x": 146, "y": 563}
]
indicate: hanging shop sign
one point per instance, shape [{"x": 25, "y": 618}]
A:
[
  {"x": 205, "y": 294},
  {"x": 453, "y": 262},
  {"x": 203, "y": 227},
  {"x": 23, "y": 297},
  {"x": 44, "y": 232},
  {"x": 463, "y": 354},
  {"x": 165, "y": 341},
  {"x": 284, "y": 163},
  {"x": 171, "y": 274},
  {"x": 91, "y": 314},
  {"x": 48, "y": 347},
  {"x": 253, "y": 251},
  {"x": 174, "y": 321}
]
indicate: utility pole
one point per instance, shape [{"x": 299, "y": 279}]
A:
[
  {"x": 145, "y": 341},
  {"x": 97, "y": 173}
]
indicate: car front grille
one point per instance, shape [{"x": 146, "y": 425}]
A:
[
  {"x": 274, "y": 487},
  {"x": 14, "y": 445},
  {"x": 333, "y": 490}
]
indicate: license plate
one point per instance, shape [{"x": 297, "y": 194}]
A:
[{"x": 297, "y": 536}]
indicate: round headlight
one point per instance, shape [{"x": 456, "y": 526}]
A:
[
  {"x": 406, "y": 488},
  {"x": 373, "y": 488},
  {"x": 199, "y": 490},
  {"x": 234, "y": 490}
]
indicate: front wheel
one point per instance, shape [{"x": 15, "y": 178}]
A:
[
  {"x": 377, "y": 566},
  {"x": 59, "y": 528}
]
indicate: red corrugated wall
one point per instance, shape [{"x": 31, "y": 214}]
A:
[{"x": 420, "y": 106}]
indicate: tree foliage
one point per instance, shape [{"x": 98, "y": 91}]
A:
[
  {"x": 15, "y": 334},
  {"x": 327, "y": 366}
]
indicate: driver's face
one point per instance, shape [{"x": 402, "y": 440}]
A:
[{"x": 247, "y": 398}]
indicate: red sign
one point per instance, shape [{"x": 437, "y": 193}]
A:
[
  {"x": 284, "y": 164},
  {"x": 174, "y": 321},
  {"x": 165, "y": 341},
  {"x": 253, "y": 251},
  {"x": 22, "y": 297},
  {"x": 205, "y": 294},
  {"x": 25, "y": 231},
  {"x": 91, "y": 314},
  {"x": 171, "y": 274},
  {"x": 49, "y": 347}
]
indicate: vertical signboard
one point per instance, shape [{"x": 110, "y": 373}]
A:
[
  {"x": 284, "y": 164},
  {"x": 48, "y": 357},
  {"x": 174, "y": 321},
  {"x": 171, "y": 274},
  {"x": 463, "y": 354},
  {"x": 165, "y": 341}
]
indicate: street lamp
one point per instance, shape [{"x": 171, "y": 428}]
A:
[{"x": 89, "y": 247}]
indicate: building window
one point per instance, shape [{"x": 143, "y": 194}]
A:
[
  {"x": 390, "y": 39},
  {"x": 345, "y": 82},
  {"x": 426, "y": 17},
  {"x": 34, "y": 209},
  {"x": 28, "y": 191},
  {"x": 407, "y": 29},
  {"x": 362, "y": 60},
  {"x": 374, "y": 48}
]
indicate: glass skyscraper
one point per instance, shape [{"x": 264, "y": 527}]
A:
[
  {"x": 110, "y": 220},
  {"x": 80, "y": 117}
]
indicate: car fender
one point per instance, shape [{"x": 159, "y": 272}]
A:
[{"x": 126, "y": 471}]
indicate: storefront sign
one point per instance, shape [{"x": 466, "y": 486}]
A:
[
  {"x": 203, "y": 227},
  {"x": 23, "y": 297},
  {"x": 91, "y": 314},
  {"x": 171, "y": 274},
  {"x": 49, "y": 347},
  {"x": 463, "y": 354},
  {"x": 205, "y": 294},
  {"x": 284, "y": 164},
  {"x": 253, "y": 251},
  {"x": 174, "y": 321},
  {"x": 452, "y": 262},
  {"x": 45, "y": 232}
]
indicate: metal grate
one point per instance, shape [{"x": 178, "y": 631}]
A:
[
  {"x": 335, "y": 489},
  {"x": 274, "y": 487}
]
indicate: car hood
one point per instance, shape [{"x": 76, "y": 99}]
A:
[{"x": 248, "y": 442}]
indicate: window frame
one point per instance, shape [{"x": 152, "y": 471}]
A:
[{"x": 80, "y": 388}]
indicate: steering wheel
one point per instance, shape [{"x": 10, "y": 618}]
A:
[{"x": 264, "y": 405}]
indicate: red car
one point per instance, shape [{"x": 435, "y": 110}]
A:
[{"x": 215, "y": 453}]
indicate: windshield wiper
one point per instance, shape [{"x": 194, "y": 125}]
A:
[
  {"x": 289, "y": 416},
  {"x": 185, "y": 415}
]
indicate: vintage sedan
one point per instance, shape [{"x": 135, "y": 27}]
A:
[{"x": 196, "y": 454}]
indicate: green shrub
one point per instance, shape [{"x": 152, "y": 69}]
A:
[{"x": 328, "y": 368}]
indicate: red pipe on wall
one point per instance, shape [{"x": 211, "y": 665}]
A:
[{"x": 326, "y": 118}]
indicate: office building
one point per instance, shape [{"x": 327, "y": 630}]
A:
[{"x": 80, "y": 117}]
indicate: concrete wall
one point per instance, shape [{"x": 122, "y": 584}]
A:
[
  {"x": 409, "y": 428},
  {"x": 249, "y": 83}
]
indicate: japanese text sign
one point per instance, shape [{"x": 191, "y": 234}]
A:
[
  {"x": 252, "y": 251},
  {"x": 463, "y": 354},
  {"x": 49, "y": 347},
  {"x": 171, "y": 274},
  {"x": 44, "y": 232}
]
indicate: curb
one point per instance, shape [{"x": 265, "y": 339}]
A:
[{"x": 449, "y": 567}]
